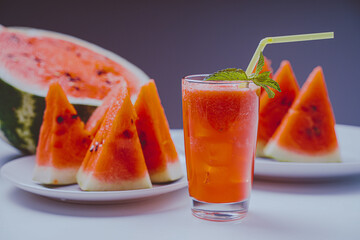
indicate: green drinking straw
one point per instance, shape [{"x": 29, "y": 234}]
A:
[{"x": 284, "y": 39}]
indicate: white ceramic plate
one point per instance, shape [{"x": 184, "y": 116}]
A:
[
  {"x": 19, "y": 172},
  {"x": 350, "y": 153}
]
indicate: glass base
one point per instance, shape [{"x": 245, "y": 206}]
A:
[{"x": 220, "y": 212}]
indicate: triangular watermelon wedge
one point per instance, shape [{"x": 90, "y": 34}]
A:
[
  {"x": 159, "y": 150},
  {"x": 98, "y": 116},
  {"x": 115, "y": 160},
  {"x": 307, "y": 133},
  {"x": 63, "y": 141},
  {"x": 272, "y": 110}
]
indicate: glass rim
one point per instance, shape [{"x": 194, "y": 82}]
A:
[{"x": 188, "y": 79}]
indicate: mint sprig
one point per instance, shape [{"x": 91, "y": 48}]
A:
[{"x": 235, "y": 74}]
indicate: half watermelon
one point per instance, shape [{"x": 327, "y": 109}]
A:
[
  {"x": 307, "y": 132},
  {"x": 31, "y": 59}
]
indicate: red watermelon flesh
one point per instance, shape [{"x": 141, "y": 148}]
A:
[
  {"x": 98, "y": 116},
  {"x": 115, "y": 160},
  {"x": 307, "y": 133},
  {"x": 159, "y": 150},
  {"x": 81, "y": 71},
  {"x": 63, "y": 141},
  {"x": 272, "y": 110}
]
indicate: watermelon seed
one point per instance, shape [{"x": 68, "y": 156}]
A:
[
  {"x": 59, "y": 119},
  {"x": 75, "y": 79},
  {"x": 308, "y": 132},
  {"x": 91, "y": 148},
  {"x": 101, "y": 72},
  {"x": 108, "y": 82},
  {"x": 96, "y": 146},
  {"x": 14, "y": 38},
  {"x": 142, "y": 137},
  {"x": 71, "y": 77},
  {"x": 127, "y": 134},
  {"x": 317, "y": 131},
  {"x": 38, "y": 60},
  {"x": 314, "y": 108},
  {"x": 285, "y": 102},
  {"x": 132, "y": 121}
]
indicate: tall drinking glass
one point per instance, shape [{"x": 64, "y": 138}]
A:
[{"x": 220, "y": 121}]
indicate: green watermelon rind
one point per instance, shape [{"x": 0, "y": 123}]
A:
[
  {"x": 20, "y": 121},
  {"x": 22, "y": 106}
]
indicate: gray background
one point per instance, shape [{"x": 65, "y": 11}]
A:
[{"x": 171, "y": 39}]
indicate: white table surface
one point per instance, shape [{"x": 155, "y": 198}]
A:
[{"x": 278, "y": 210}]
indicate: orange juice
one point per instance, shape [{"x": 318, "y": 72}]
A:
[{"x": 220, "y": 128}]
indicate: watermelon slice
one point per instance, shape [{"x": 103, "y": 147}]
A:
[
  {"x": 31, "y": 59},
  {"x": 98, "y": 116},
  {"x": 115, "y": 160},
  {"x": 63, "y": 141},
  {"x": 159, "y": 150},
  {"x": 307, "y": 133},
  {"x": 272, "y": 110}
]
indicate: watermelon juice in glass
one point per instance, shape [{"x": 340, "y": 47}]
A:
[
  {"x": 220, "y": 116},
  {"x": 220, "y": 129}
]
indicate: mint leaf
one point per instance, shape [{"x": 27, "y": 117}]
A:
[
  {"x": 261, "y": 79},
  {"x": 264, "y": 79},
  {"x": 260, "y": 64},
  {"x": 263, "y": 76},
  {"x": 229, "y": 74},
  {"x": 270, "y": 93},
  {"x": 271, "y": 83}
]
